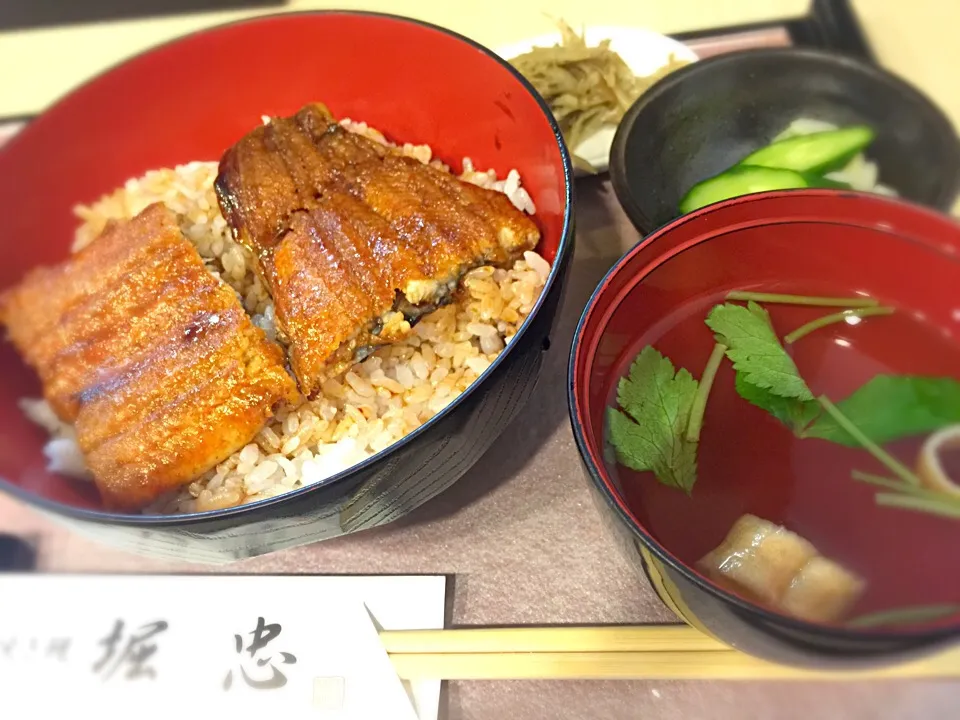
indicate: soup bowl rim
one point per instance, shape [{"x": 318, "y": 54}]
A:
[{"x": 601, "y": 480}]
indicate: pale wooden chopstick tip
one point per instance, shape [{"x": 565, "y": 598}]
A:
[
  {"x": 676, "y": 665},
  {"x": 674, "y": 652},
  {"x": 604, "y": 638}
]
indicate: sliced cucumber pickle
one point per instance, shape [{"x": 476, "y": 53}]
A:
[
  {"x": 821, "y": 182},
  {"x": 813, "y": 154},
  {"x": 742, "y": 180}
]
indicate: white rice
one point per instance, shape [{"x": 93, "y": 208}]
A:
[
  {"x": 377, "y": 402},
  {"x": 62, "y": 452},
  {"x": 860, "y": 173}
]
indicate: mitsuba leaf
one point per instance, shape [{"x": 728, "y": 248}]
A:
[
  {"x": 890, "y": 407},
  {"x": 755, "y": 350},
  {"x": 648, "y": 432},
  {"x": 792, "y": 412}
]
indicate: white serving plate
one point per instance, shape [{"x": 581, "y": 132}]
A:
[{"x": 644, "y": 51}]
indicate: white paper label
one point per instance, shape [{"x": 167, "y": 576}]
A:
[{"x": 176, "y": 646}]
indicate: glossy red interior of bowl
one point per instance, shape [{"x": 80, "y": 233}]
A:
[
  {"x": 191, "y": 99},
  {"x": 806, "y": 242}
]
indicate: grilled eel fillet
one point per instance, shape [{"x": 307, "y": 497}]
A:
[
  {"x": 355, "y": 241},
  {"x": 149, "y": 355}
]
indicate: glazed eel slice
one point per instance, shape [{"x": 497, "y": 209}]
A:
[
  {"x": 151, "y": 357},
  {"x": 355, "y": 241}
]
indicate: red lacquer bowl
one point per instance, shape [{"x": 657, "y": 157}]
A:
[
  {"x": 803, "y": 242},
  {"x": 190, "y": 100}
]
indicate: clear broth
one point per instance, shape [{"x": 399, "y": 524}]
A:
[{"x": 750, "y": 463}]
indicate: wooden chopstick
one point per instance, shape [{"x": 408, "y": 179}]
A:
[
  {"x": 604, "y": 638},
  {"x": 669, "y": 665},
  {"x": 667, "y": 652}
]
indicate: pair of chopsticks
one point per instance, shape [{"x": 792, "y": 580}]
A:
[{"x": 662, "y": 652}]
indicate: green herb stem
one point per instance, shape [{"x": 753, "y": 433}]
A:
[
  {"x": 901, "y": 487},
  {"x": 904, "y": 616},
  {"x": 888, "y": 461},
  {"x": 699, "y": 406},
  {"x": 841, "y": 316},
  {"x": 888, "y": 483},
  {"x": 847, "y": 302},
  {"x": 909, "y": 497},
  {"x": 934, "y": 506}
]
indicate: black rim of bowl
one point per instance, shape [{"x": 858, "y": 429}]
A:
[
  {"x": 915, "y": 638},
  {"x": 618, "y": 151},
  {"x": 564, "y": 250}
]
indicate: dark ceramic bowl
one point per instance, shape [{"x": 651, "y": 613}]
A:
[
  {"x": 191, "y": 99},
  {"x": 702, "y": 119},
  {"x": 834, "y": 244}
]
